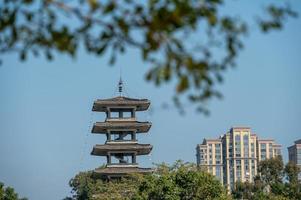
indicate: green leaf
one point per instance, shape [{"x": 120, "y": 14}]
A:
[{"x": 183, "y": 84}]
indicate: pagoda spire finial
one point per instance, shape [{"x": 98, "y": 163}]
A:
[
  {"x": 120, "y": 86},
  {"x": 120, "y": 83}
]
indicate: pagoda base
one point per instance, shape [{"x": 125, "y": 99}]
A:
[{"x": 118, "y": 172}]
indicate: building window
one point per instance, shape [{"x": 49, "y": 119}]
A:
[
  {"x": 217, "y": 148},
  {"x": 246, "y": 162},
  {"x": 263, "y": 151},
  {"x": 218, "y": 172},
  {"x": 271, "y": 149},
  {"x": 237, "y": 138},
  {"x": 246, "y": 145},
  {"x": 299, "y": 156},
  {"x": 252, "y": 150},
  {"x": 263, "y": 147},
  {"x": 246, "y": 139}
]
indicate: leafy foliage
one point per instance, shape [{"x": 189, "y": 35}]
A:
[
  {"x": 179, "y": 181},
  {"x": 85, "y": 187},
  {"x": 8, "y": 193},
  {"x": 191, "y": 41},
  {"x": 274, "y": 182},
  {"x": 185, "y": 181},
  {"x": 271, "y": 170}
]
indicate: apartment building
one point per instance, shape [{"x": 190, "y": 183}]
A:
[{"x": 235, "y": 155}]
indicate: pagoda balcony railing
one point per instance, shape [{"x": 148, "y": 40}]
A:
[
  {"x": 122, "y": 164},
  {"x": 121, "y": 141},
  {"x": 121, "y": 119}
]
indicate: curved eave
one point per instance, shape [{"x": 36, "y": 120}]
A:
[
  {"x": 139, "y": 149},
  {"x": 101, "y": 105},
  {"x": 104, "y": 127}
]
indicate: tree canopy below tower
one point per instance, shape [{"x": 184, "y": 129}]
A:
[{"x": 180, "y": 181}]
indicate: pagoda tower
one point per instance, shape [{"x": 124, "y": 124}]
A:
[{"x": 120, "y": 127}]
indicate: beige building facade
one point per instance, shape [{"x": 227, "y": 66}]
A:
[
  {"x": 209, "y": 156},
  {"x": 241, "y": 151}
]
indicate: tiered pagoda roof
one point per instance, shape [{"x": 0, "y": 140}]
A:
[
  {"x": 101, "y": 105},
  {"x": 103, "y": 127},
  {"x": 139, "y": 149}
]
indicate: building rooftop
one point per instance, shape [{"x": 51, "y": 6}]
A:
[
  {"x": 297, "y": 144},
  {"x": 240, "y": 127},
  {"x": 266, "y": 140},
  {"x": 205, "y": 141},
  {"x": 103, "y": 127},
  {"x": 298, "y": 141},
  {"x": 101, "y": 105}
]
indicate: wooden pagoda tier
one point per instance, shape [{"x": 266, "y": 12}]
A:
[
  {"x": 103, "y": 105},
  {"x": 136, "y": 149},
  {"x": 118, "y": 125}
]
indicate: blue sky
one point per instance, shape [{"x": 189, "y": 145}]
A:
[{"x": 46, "y": 116}]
